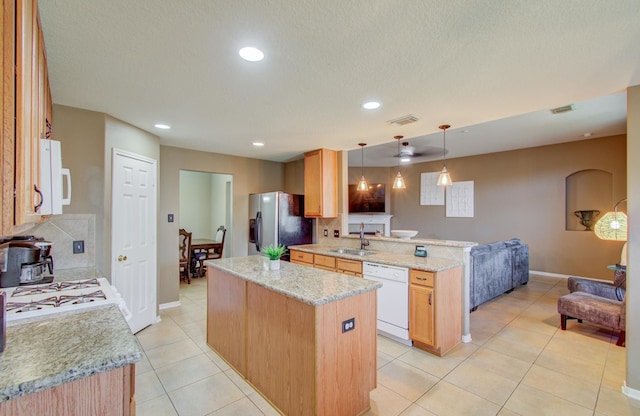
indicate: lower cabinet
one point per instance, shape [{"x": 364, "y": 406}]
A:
[
  {"x": 110, "y": 393},
  {"x": 329, "y": 263},
  {"x": 435, "y": 309},
  {"x": 300, "y": 257}
]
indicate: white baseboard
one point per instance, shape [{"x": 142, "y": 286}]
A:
[
  {"x": 169, "y": 305},
  {"x": 629, "y": 392}
]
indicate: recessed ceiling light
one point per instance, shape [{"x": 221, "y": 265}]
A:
[
  {"x": 371, "y": 105},
  {"x": 251, "y": 54},
  {"x": 258, "y": 144},
  {"x": 464, "y": 131},
  {"x": 162, "y": 126},
  {"x": 586, "y": 135}
]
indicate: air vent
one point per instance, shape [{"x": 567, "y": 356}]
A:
[
  {"x": 563, "y": 109},
  {"x": 402, "y": 121}
]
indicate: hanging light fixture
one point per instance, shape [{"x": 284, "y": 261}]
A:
[
  {"x": 613, "y": 225},
  {"x": 398, "y": 182},
  {"x": 362, "y": 185},
  {"x": 444, "y": 179}
]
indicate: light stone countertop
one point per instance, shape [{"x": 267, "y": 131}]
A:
[
  {"x": 51, "y": 350},
  {"x": 306, "y": 284},
  {"x": 415, "y": 240},
  {"x": 430, "y": 264}
]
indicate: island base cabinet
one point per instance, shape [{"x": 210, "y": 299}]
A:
[
  {"x": 107, "y": 394},
  {"x": 299, "y": 358},
  {"x": 226, "y": 307},
  {"x": 295, "y": 354}
]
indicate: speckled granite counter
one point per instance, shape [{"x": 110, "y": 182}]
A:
[
  {"x": 49, "y": 351},
  {"x": 312, "y": 286},
  {"x": 430, "y": 264}
]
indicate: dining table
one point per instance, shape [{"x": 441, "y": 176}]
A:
[{"x": 204, "y": 245}]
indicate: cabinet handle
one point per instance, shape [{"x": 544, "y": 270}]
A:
[
  {"x": 421, "y": 278},
  {"x": 37, "y": 207},
  {"x": 429, "y": 299}
]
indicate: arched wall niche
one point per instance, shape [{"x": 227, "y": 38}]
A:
[{"x": 589, "y": 189}]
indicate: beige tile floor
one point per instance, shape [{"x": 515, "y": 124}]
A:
[{"x": 519, "y": 363}]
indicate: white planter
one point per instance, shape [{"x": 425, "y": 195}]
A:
[{"x": 274, "y": 264}]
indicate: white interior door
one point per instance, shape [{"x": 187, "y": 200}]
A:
[{"x": 133, "y": 238}]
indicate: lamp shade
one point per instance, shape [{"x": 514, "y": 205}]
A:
[
  {"x": 444, "y": 179},
  {"x": 612, "y": 226},
  {"x": 398, "y": 182}
]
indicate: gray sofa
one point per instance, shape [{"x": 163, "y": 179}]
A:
[{"x": 496, "y": 268}]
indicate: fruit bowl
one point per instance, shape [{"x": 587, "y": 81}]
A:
[{"x": 404, "y": 234}]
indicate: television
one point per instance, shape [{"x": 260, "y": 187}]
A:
[{"x": 370, "y": 201}]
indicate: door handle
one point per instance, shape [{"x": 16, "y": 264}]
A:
[
  {"x": 429, "y": 299},
  {"x": 122, "y": 258}
]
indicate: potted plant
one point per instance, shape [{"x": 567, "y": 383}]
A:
[{"x": 274, "y": 253}]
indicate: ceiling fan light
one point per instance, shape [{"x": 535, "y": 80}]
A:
[{"x": 398, "y": 182}]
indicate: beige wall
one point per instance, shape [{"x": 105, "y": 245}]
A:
[
  {"x": 294, "y": 177},
  {"x": 519, "y": 194},
  {"x": 88, "y": 139},
  {"x": 249, "y": 176}
]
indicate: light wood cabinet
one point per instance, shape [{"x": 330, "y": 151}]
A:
[
  {"x": 324, "y": 262},
  {"x": 435, "y": 309},
  {"x": 352, "y": 267},
  {"x": 26, "y": 109},
  {"x": 321, "y": 183},
  {"x": 108, "y": 393},
  {"x": 300, "y": 257}
]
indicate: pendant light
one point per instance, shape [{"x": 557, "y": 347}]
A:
[
  {"x": 362, "y": 185},
  {"x": 398, "y": 182},
  {"x": 444, "y": 179}
]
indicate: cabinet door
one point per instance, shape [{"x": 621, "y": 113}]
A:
[
  {"x": 352, "y": 267},
  {"x": 421, "y": 314},
  {"x": 29, "y": 82},
  {"x": 320, "y": 184},
  {"x": 7, "y": 107},
  {"x": 324, "y": 262}
]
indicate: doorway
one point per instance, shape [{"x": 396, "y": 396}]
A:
[{"x": 206, "y": 204}]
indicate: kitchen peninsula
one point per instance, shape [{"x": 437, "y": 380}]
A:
[{"x": 304, "y": 338}]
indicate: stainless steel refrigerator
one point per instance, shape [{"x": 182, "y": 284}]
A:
[{"x": 277, "y": 218}]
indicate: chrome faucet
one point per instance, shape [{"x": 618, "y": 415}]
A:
[{"x": 363, "y": 242}]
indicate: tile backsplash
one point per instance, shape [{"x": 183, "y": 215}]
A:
[{"x": 62, "y": 231}]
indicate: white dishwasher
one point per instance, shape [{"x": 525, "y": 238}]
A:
[{"x": 393, "y": 299}]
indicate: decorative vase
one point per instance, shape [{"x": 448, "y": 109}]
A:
[
  {"x": 587, "y": 217},
  {"x": 274, "y": 264}
]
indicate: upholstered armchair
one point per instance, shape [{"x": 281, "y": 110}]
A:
[{"x": 615, "y": 290}]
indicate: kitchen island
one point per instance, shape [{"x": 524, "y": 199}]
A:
[
  {"x": 304, "y": 338},
  {"x": 77, "y": 362}
]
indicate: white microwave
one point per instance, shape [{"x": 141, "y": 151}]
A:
[{"x": 51, "y": 178}]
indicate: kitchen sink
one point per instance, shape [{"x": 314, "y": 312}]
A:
[{"x": 353, "y": 252}]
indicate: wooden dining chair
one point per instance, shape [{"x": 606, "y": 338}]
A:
[
  {"x": 185, "y": 255},
  {"x": 217, "y": 251}
]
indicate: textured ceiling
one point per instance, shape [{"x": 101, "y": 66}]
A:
[{"x": 493, "y": 68}]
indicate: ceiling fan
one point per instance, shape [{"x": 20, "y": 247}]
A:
[{"x": 408, "y": 152}]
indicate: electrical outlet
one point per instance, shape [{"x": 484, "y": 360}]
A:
[
  {"x": 336, "y": 233},
  {"x": 348, "y": 325},
  {"x": 326, "y": 233},
  {"x": 78, "y": 247},
  {"x": 170, "y": 218}
]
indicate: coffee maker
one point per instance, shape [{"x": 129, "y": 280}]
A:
[{"x": 26, "y": 259}]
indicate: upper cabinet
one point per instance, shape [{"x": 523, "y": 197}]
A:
[
  {"x": 26, "y": 80},
  {"x": 321, "y": 183}
]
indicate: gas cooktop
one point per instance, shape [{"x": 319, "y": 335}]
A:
[{"x": 36, "y": 300}]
